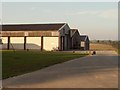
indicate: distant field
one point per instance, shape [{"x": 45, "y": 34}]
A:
[
  {"x": 20, "y": 62},
  {"x": 101, "y": 47}
]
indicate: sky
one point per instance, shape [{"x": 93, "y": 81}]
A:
[{"x": 99, "y": 20}]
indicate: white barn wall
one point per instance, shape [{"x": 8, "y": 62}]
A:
[
  {"x": 49, "y": 43},
  {"x": 33, "y": 43},
  {"x": 4, "y": 41},
  {"x": 82, "y": 44},
  {"x": 17, "y": 42}
]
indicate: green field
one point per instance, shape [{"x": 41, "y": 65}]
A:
[
  {"x": 119, "y": 51},
  {"x": 20, "y": 62}
]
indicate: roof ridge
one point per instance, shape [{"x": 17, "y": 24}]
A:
[
  {"x": 35, "y": 24},
  {"x": 33, "y": 27}
]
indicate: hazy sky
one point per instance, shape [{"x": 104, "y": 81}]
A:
[{"x": 99, "y": 20}]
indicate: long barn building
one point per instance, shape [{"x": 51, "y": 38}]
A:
[{"x": 40, "y": 36}]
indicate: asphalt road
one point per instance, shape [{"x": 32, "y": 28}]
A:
[{"x": 99, "y": 71}]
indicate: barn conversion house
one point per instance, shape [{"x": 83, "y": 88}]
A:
[
  {"x": 85, "y": 42},
  {"x": 40, "y": 36},
  {"x": 75, "y": 39}
]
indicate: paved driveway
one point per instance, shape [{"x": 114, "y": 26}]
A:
[{"x": 100, "y": 71}]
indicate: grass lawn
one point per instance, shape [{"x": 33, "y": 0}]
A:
[
  {"x": 20, "y": 62},
  {"x": 119, "y": 51}
]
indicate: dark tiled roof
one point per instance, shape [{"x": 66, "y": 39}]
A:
[
  {"x": 83, "y": 37},
  {"x": 31, "y": 27}
]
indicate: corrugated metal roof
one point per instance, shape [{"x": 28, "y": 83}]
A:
[{"x": 32, "y": 27}]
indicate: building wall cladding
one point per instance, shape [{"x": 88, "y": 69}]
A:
[
  {"x": 17, "y": 42},
  {"x": 4, "y": 42},
  {"x": 48, "y": 37},
  {"x": 85, "y": 43},
  {"x": 51, "y": 37},
  {"x": 32, "y": 43},
  {"x": 76, "y": 41},
  {"x": 64, "y": 38},
  {"x": 30, "y": 33},
  {"x": 33, "y": 39},
  {"x": 50, "y": 43}
]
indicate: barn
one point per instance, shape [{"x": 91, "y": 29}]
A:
[
  {"x": 44, "y": 37},
  {"x": 36, "y": 36},
  {"x": 75, "y": 39},
  {"x": 85, "y": 42}
]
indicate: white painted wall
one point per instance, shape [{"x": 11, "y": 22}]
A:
[
  {"x": 49, "y": 43},
  {"x": 17, "y": 42},
  {"x": 33, "y": 43},
  {"x": 4, "y": 41},
  {"x": 82, "y": 44}
]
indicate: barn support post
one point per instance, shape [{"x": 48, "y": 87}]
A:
[
  {"x": 8, "y": 44},
  {"x": 59, "y": 42},
  {"x": 25, "y": 42},
  {"x": 63, "y": 42},
  {"x": 41, "y": 43},
  {"x": 66, "y": 42},
  {"x": 85, "y": 46}
]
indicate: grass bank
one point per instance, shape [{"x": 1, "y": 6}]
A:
[{"x": 20, "y": 62}]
